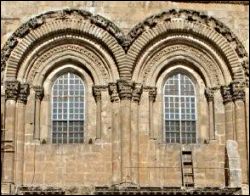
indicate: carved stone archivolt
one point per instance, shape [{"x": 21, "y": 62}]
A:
[
  {"x": 83, "y": 23},
  {"x": 12, "y": 89}
]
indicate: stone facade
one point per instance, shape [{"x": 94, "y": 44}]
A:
[{"x": 124, "y": 52}]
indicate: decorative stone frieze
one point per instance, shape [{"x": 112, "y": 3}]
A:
[
  {"x": 12, "y": 89},
  {"x": 124, "y": 89},
  {"x": 226, "y": 94},
  {"x": 209, "y": 93},
  {"x": 97, "y": 91},
  {"x": 137, "y": 91},
  {"x": 114, "y": 96},
  {"x": 24, "y": 93},
  {"x": 39, "y": 92},
  {"x": 238, "y": 92},
  {"x": 152, "y": 93}
]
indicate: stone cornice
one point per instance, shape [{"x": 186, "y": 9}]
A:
[
  {"x": 12, "y": 89},
  {"x": 24, "y": 93},
  {"x": 219, "y": 2}
]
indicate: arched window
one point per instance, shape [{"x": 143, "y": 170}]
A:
[
  {"x": 179, "y": 110},
  {"x": 68, "y": 109}
]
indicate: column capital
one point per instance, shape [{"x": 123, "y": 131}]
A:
[
  {"x": 152, "y": 92},
  {"x": 209, "y": 93},
  {"x": 124, "y": 89},
  {"x": 136, "y": 92},
  {"x": 226, "y": 94},
  {"x": 238, "y": 91},
  {"x": 97, "y": 91},
  {"x": 12, "y": 89},
  {"x": 24, "y": 93},
  {"x": 39, "y": 92},
  {"x": 113, "y": 92}
]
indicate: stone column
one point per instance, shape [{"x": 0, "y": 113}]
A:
[
  {"x": 38, "y": 97},
  {"x": 98, "y": 98},
  {"x": 8, "y": 142},
  {"x": 152, "y": 95},
  {"x": 210, "y": 99},
  {"x": 229, "y": 113},
  {"x": 240, "y": 127},
  {"x": 136, "y": 96},
  {"x": 116, "y": 134},
  {"x": 125, "y": 94},
  {"x": 20, "y": 132}
]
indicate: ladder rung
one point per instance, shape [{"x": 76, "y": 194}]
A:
[{"x": 188, "y": 174}]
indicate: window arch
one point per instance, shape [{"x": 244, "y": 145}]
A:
[
  {"x": 179, "y": 109},
  {"x": 68, "y": 109}
]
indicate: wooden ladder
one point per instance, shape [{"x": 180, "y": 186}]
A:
[{"x": 187, "y": 168}]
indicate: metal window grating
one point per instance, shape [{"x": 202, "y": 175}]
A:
[
  {"x": 68, "y": 109},
  {"x": 179, "y": 110}
]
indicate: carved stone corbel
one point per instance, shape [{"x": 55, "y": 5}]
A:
[
  {"x": 124, "y": 89},
  {"x": 152, "y": 93},
  {"x": 39, "y": 92},
  {"x": 209, "y": 93},
  {"x": 137, "y": 91},
  {"x": 24, "y": 93},
  {"x": 114, "y": 96},
  {"x": 226, "y": 94},
  {"x": 238, "y": 92},
  {"x": 12, "y": 89}
]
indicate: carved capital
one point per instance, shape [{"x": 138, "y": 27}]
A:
[
  {"x": 238, "y": 91},
  {"x": 39, "y": 93},
  {"x": 137, "y": 91},
  {"x": 114, "y": 96},
  {"x": 24, "y": 93},
  {"x": 226, "y": 94},
  {"x": 152, "y": 93},
  {"x": 124, "y": 89},
  {"x": 209, "y": 93},
  {"x": 12, "y": 89},
  {"x": 97, "y": 92}
]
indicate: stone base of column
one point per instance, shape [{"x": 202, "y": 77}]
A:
[{"x": 7, "y": 188}]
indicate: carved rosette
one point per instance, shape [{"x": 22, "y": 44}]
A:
[
  {"x": 39, "y": 93},
  {"x": 97, "y": 92},
  {"x": 152, "y": 92},
  {"x": 12, "y": 89},
  {"x": 24, "y": 93},
  {"x": 238, "y": 92},
  {"x": 226, "y": 94},
  {"x": 114, "y": 96},
  {"x": 209, "y": 93},
  {"x": 124, "y": 89},
  {"x": 137, "y": 91}
]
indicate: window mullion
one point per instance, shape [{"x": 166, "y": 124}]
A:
[
  {"x": 179, "y": 90},
  {"x": 68, "y": 109}
]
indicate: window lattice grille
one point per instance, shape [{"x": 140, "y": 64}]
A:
[
  {"x": 179, "y": 110},
  {"x": 68, "y": 109}
]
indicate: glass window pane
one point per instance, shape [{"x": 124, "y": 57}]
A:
[
  {"x": 67, "y": 106},
  {"x": 179, "y": 109}
]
